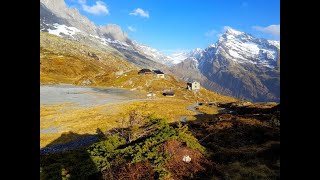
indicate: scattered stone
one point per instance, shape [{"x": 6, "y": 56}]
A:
[
  {"x": 151, "y": 94},
  {"x": 239, "y": 104},
  {"x": 94, "y": 56},
  {"x": 86, "y": 82},
  {"x": 186, "y": 159},
  {"x": 119, "y": 73},
  {"x": 130, "y": 82}
]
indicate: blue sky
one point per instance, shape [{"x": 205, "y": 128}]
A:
[{"x": 175, "y": 25}]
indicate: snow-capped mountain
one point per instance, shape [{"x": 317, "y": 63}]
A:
[
  {"x": 238, "y": 64},
  {"x": 188, "y": 70},
  {"x": 244, "y": 48},
  {"x": 153, "y": 54},
  {"x": 56, "y": 18},
  {"x": 179, "y": 57}
]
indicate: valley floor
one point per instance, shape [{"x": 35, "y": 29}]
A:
[
  {"x": 241, "y": 141},
  {"x": 76, "y": 109},
  {"x": 85, "y": 96}
]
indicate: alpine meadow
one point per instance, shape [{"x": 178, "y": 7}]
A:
[{"x": 168, "y": 90}]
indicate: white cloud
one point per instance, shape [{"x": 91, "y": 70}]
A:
[
  {"x": 132, "y": 29},
  {"x": 100, "y": 8},
  {"x": 211, "y": 33},
  {"x": 272, "y": 29},
  {"x": 140, "y": 12}
]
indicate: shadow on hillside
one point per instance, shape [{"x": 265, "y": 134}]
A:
[
  {"x": 239, "y": 144},
  {"x": 69, "y": 160},
  {"x": 251, "y": 109},
  {"x": 242, "y": 144}
]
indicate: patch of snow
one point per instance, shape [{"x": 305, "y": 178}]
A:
[
  {"x": 233, "y": 31},
  {"x": 212, "y": 46},
  {"x": 244, "y": 50},
  {"x": 195, "y": 61},
  {"x": 251, "y": 48},
  {"x": 97, "y": 37},
  {"x": 178, "y": 57},
  {"x": 181, "y": 56},
  {"x": 275, "y": 43},
  {"x": 230, "y": 36},
  {"x": 152, "y": 53},
  {"x": 235, "y": 54},
  {"x": 270, "y": 55},
  {"x": 70, "y": 31}
]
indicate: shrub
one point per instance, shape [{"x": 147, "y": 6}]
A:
[{"x": 147, "y": 148}]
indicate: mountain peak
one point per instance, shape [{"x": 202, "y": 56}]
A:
[
  {"x": 113, "y": 31},
  {"x": 212, "y": 46},
  {"x": 56, "y": 5},
  {"x": 233, "y": 31}
]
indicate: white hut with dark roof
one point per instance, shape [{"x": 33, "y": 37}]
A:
[{"x": 194, "y": 85}]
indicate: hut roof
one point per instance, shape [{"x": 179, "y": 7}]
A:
[{"x": 158, "y": 72}]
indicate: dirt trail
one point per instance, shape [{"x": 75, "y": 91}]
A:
[{"x": 193, "y": 109}]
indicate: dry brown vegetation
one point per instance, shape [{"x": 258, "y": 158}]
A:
[
  {"x": 137, "y": 171},
  {"x": 183, "y": 170},
  {"x": 242, "y": 145},
  {"x": 69, "y": 64},
  {"x": 221, "y": 146}
]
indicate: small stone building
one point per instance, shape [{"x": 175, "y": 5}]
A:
[
  {"x": 168, "y": 94},
  {"x": 145, "y": 72},
  {"x": 193, "y": 85},
  {"x": 158, "y": 74}
]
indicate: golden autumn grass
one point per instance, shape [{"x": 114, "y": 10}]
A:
[
  {"x": 208, "y": 110},
  {"x": 67, "y": 64},
  {"x": 87, "y": 120},
  {"x": 65, "y": 61}
]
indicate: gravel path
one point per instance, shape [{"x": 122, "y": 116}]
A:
[
  {"x": 191, "y": 108},
  {"x": 85, "y": 96},
  {"x": 49, "y": 130}
]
